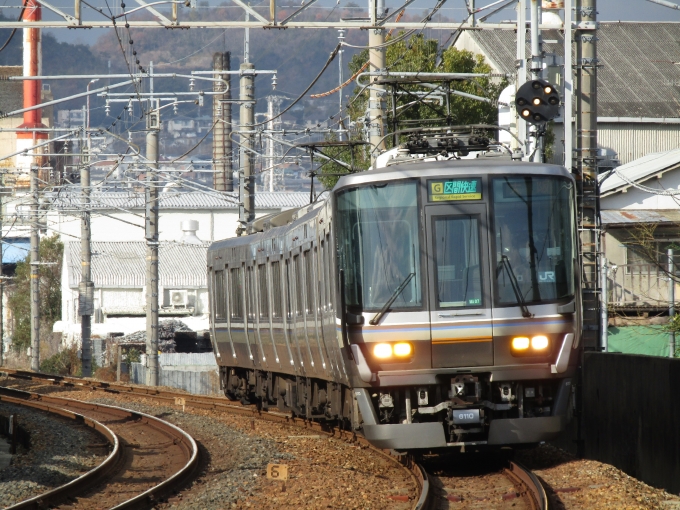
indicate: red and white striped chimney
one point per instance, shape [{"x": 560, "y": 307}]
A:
[{"x": 32, "y": 89}]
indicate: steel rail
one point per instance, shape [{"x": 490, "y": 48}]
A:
[
  {"x": 406, "y": 462},
  {"x": 530, "y": 485},
  {"x": 86, "y": 480},
  {"x": 150, "y": 496}
]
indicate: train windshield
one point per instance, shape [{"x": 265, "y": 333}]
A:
[
  {"x": 379, "y": 245},
  {"x": 533, "y": 231}
]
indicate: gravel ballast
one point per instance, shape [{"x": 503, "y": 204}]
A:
[{"x": 60, "y": 452}]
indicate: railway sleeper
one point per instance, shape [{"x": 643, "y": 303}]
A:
[{"x": 304, "y": 397}]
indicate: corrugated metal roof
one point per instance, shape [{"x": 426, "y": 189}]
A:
[
  {"x": 640, "y": 170},
  {"x": 638, "y": 76},
  {"x": 69, "y": 198},
  {"x": 123, "y": 264},
  {"x": 613, "y": 217}
]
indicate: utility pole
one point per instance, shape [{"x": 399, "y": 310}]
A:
[
  {"x": 86, "y": 287},
  {"x": 247, "y": 179},
  {"x": 153, "y": 127},
  {"x": 35, "y": 273},
  {"x": 376, "y": 99},
  {"x": 586, "y": 168}
]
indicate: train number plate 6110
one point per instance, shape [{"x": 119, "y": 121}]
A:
[{"x": 465, "y": 416}]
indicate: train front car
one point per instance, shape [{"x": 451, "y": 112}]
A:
[{"x": 460, "y": 303}]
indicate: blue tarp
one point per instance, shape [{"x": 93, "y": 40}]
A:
[{"x": 15, "y": 249}]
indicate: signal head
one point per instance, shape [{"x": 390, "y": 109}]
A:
[{"x": 537, "y": 101}]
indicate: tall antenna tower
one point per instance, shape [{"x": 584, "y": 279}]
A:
[{"x": 273, "y": 178}]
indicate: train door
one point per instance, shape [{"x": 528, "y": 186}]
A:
[{"x": 460, "y": 289}]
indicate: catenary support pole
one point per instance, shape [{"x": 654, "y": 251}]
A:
[
  {"x": 85, "y": 289},
  {"x": 376, "y": 99},
  {"x": 246, "y": 173},
  {"x": 2, "y": 274},
  {"x": 536, "y": 73},
  {"x": 35, "y": 272},
  {"x": 671, "y": 302},
  {"x": 586, "y": 167},
  {"x": 153, "y": 126},
  {"x": 604, "y": 312}
]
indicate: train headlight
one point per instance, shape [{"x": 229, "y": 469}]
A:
[
  {"x": 520, "y": 343},
  {"x": 539, "y": 342},
  {"x": 402, "y": 349},
  {"x": 382, "y": 351}
]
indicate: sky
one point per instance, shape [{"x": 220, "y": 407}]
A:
[{"x": 609, "y": 10}]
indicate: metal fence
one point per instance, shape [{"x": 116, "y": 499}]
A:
[
  {"x": 631, "y": 415},
  {"x": 193, "y": 372}
]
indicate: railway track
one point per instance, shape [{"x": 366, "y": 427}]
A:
[
  {"x": 477, "y": 481},
  {"x": 171, "y": 398},
  {"x": 139, "y": 443}
]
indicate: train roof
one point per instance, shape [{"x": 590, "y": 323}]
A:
[
  {"x": 459, "y": 166},
  {"x": 395, "y": 172}
]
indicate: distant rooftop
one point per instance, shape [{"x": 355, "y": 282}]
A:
[
  {"x": 638, "y": 74},
  {"x": 123, "y": 264},
  {"x": 639, "y": 170},
  {"x": 70, "y": 199}
]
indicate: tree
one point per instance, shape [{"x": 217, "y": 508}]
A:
[
  {"x": 419, "y": 54},
  {"x": 51, "y": 255}
]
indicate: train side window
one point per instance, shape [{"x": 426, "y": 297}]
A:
[
  {"x": 220, "y": 297},
  {"x": 290, "y": 295},
  {"x": 235, "y": 293},
  {"x": 250, "y": 292},
  {"x": 309, "y": 279},
  {"x": 277, "y": 302},
  {"x": 323, "y": 282},
  {"x": 264, "y": 291},
  {"x": 329, "y": 272},
  {"x": 298, "y": 285}
]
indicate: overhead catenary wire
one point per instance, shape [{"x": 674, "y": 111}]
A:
[{"x": 14, "y": 31}]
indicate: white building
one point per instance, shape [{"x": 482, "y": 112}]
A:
[
  {"x": 189, "y": 221},
  {"x": 119, "y": 276}
]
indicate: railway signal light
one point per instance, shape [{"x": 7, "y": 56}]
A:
[{"x": 537, "y": 101}]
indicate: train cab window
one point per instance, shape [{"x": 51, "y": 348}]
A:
[
  {"x": 236, "y": 293},
  {"x": 379, "y": 245},
  {"x": 277, "y": 303},
  {"x": 457, "y": 263},
  {"x": 264, "y": 291},
  {"x": 219, "y": 295},
  {"x": 534, "y": 239}
]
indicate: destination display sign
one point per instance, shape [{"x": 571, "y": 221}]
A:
[{"x": 446, "y": 190}]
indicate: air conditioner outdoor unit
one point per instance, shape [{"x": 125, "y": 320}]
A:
[{"x": 178, "y": 298}]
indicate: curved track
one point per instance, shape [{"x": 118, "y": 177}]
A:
[
  {"x": 151, "y": 458},
  {"x": 478, "y": 481},
  {"x": 416, "y": 473}
]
